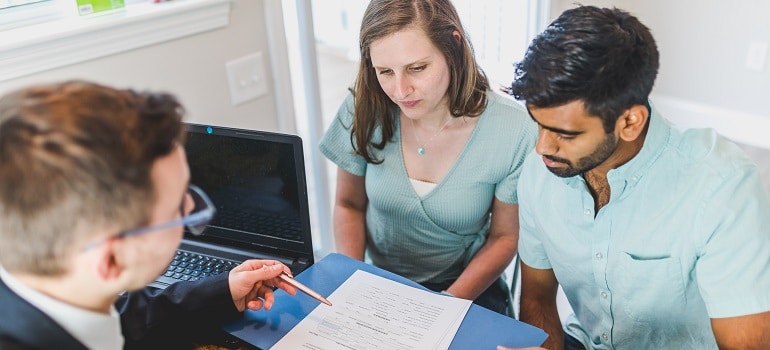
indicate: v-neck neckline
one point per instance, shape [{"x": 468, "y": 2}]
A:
[{"x": 447, "y": 177}]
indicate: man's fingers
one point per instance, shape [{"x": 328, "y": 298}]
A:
[
  {"x": 266, "y": 272},
  {"x": 255, "y": 264},
  {"x": 255, "y": 304}
]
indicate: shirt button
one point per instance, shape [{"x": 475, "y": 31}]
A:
[
  {"x": 599, "y": 255},
  {"x": 605, "y": 336},
  {"x": 634, "y": 178},
  {"x": 604, "y": 295},
  {"x": 587, "y": 212}
]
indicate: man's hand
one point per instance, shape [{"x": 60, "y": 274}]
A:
[{"x": 252, "y": 283}]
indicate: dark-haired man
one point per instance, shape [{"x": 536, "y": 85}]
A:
[{"x": 659, "y": 237}]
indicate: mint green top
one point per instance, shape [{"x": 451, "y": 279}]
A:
[
  {"x": 432, "y": 239},
  {"x": 685, "y": 237}
]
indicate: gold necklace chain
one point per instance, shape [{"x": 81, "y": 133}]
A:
[{"x": 420, "y": 145}]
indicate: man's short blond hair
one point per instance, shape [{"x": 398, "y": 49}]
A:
[{"x": 75, "y": 157}]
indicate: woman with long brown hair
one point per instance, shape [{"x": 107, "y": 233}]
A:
[{"x": 428, "y": 156}]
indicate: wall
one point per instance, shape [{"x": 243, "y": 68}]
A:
[
  {"x": 192, "y": 67},
  {"x": 703, "y": 79}
]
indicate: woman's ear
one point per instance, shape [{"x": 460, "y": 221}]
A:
[
  {"x": 631, "y": 124},
  {"x": 457, "y": 36}
]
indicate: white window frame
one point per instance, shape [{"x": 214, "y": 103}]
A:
[
  {"x": 14, "y": 15},
  {"x": 62, "y": 39}
]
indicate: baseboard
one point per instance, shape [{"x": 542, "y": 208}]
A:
[{"x": 742, "y": 127}]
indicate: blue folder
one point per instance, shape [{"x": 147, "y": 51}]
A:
[{"x": 481, "y": 328}]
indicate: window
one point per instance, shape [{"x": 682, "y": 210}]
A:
[
  {"x": 499, "y": 30},
  {"x": 6, "y": 4},
  {"x": 19, "y": 13},
  {"x": 49, "y": 34},
  {"x": 498, "y": 33}
]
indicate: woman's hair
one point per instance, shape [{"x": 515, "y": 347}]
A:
[
  {"x": 75, "y": 158},
  {"x": 603, "y": 57},
  {"x": 439, "y": 20}
]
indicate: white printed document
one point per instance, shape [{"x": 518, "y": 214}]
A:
[{"x": 370, "y": 312}]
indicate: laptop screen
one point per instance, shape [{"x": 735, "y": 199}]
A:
[{"x": 257, "y": 182}]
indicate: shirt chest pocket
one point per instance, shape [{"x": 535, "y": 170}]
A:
[{"x": 651, "y": 288}]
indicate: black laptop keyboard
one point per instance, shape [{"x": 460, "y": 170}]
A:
[{"x": 189, "y": 266}]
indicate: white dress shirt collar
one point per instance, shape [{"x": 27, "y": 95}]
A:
[{"x": 95, "y": 330}]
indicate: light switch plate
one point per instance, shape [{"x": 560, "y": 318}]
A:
[
  {"x": 246, "y": 78},
  {"x": 757, "y": 56}
]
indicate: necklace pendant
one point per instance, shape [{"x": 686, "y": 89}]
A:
[{"x": 421, "y": 151}]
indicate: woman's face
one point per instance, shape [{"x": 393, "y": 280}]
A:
[{"x": 412, "y": 72}]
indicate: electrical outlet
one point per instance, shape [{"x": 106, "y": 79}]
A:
[
  {"x": 757, "y": 55},
  {"x": 246, "y": 78}
]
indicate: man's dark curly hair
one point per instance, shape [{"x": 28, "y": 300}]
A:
[{"x": 603, "y": 57}]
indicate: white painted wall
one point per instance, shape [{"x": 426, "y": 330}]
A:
[
  {"x": 192, "y": 67},
  {"x": 703, "y": 78}
]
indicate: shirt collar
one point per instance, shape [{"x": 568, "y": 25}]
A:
[
  {"x": 95, "y": 330},
  {"x": 656, "y": 140}
]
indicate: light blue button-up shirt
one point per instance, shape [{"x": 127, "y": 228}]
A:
[{"x": 685, "y": 237}]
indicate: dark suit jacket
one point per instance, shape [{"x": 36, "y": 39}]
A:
[{"x": 172, "y": 318}]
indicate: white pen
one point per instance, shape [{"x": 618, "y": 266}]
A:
[{"x": 305, "y": 289}]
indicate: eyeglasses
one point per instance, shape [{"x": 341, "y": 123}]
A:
[{"x": 196, "y": 222}]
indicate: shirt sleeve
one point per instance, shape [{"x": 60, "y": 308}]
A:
[
  {"x": 526, "y": 131},
  {"x": 177, "y": 316},
  {"x": 531, "y": 250},
  {"x": 337, "y": 144},
  {"x": 733, "y": 270}
]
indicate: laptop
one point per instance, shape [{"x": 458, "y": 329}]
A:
[{"x": 256, "y": 180}]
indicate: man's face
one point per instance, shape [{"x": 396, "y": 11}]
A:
[
  {"x": 171, "y": 176},
  {"x": 571, "y": 140}
]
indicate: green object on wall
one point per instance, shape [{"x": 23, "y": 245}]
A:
[{"x": 87, "y": 7}]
